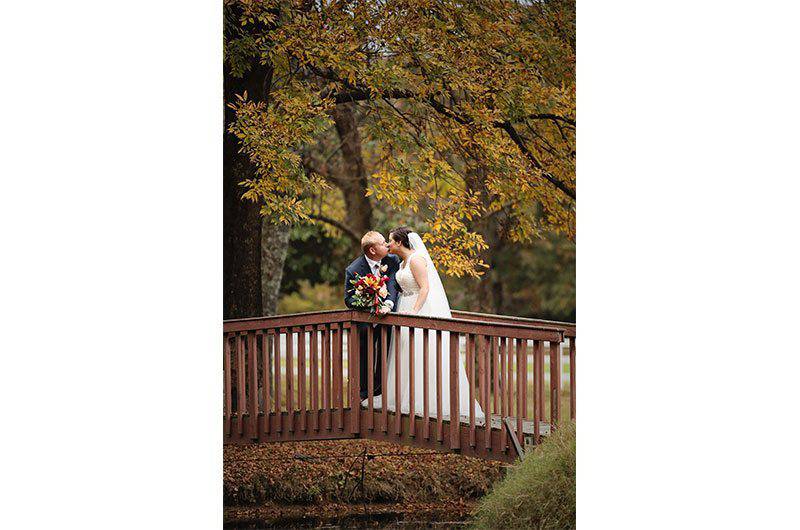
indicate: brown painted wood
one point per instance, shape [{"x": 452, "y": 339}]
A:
[
  {"x": 568, "y": 327},
  {"x": 471, "y": 381},
  {"x": 555, "y": 383},
  {"x": 265, "y": 379},
  {"x": 276, "y": 341},
  {"x": 301, "y": 376},
  {"x": 411, "y": 405},
  {"x": 426, "y": 425},
  {"x": 241, "y": 402},
  {"x": 290, "y": 379},
  {"x": 227, "y": 371},
  {"x": 327, "y": 393},
  {"x": 384, "y": 376},
  {"x": 455, "y": 441},
  {"x": 338, "y": 375},
  {"x": 540, "y": 397},
  {"x": 252, "y": 370},
  {"x": 495, "y": 374},
  {"x": 485, "y": 352},
  {"x": 370, "y": 379},
  {"x": 537, "y": 354},
  {"x": 520, "y": 388},
  {"x": 439, "y": 389},
  {"x": 572, "y": 378},
  {"x": 509, "y": 374},
  {"x": 397, "y": 424},
  {"x": 313, "y": 353},
  {"x": 354, "y": 377},
  {"x": 503, "y": 343}
]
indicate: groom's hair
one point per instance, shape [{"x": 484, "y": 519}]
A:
[{"x": 369, "y": 239}]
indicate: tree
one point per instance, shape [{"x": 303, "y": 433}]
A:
[{"x": 468, "y": 110}]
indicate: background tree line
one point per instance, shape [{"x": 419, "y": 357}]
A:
[{"x": 457, "y": 119}]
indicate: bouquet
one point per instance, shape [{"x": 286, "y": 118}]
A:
[{"x": 370, "y": 293}]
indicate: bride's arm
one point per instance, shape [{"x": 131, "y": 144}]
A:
[{"x": 419, "y": 268}]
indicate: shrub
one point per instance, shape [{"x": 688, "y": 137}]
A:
[{"x": 537, "y": 493}]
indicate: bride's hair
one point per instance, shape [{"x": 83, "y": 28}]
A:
[{"x": 400, "y": 234}]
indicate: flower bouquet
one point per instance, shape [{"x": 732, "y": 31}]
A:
[{"x": 370, "y": 293}]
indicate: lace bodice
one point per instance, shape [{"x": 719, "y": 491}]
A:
[{"x": 405, "y": 278}]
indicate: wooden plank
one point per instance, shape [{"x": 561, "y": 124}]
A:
[
  {"x": 397, "y": 408},
  {"x": 520, "y": 389},
  {"x": 471, "y": 375},
  {"x": 370, "y": 380},
  {"x": 455, "y": 441},
  {"x": 290, "y": 378},
  {"x": 384, "y": 376},
  {"x": 353, "y": 375},
  {"x": 510, "y": 374},
  {"x": 313, "y": 353},
  {"x": 226, "y": 366},
  {"x": 572, "y": 378},
  {"x": 241, "y": 401},
  {"x": 485, "y": 351},
  {"x": 540, "y": 397},
  {"x": 338, "y": 375},
  {"x": 537, "y": 354},
  {"x": 326, "y": 377},
  {"x": 503, "y": 343},
  {"x": 252, "y": 369},
  {"x": 411, "y": 404},
  {"x": 426, "y": 426},
  {"x": 496, "y": 374},
  {"x": 439, "y": 390},
  {"x": 555, "y": 383},
  {"x": 276, "y": 341},
  {"x": 302, "y": 397},
  {"x": 265, "y": 375}
]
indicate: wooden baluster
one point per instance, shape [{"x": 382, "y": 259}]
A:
[
  {"x": 439, "y": 390},
  {"x": 412, "y": 431},
  {"x": 471, "y": 374},
  {"x": 252, "y": 368},
  {"x": 426, "y": 424},
  {"x": 572, "y": 378},
  {"x": 537, "y": 354},
  {"x": 509, "y": 375},
  {"x": 326, "y": 377},
  {"x": 398, "y": 413},
  {"x": 455, "y": 417},
  {"x": 336, "y": 334},
  {"x": 290, "y": 378},
  {"x": 241, "y": 401},
  {"x": 520, "y": 388},
  {"x": 277, "y": 362},
  {"x": 487, "y": 413},
  {"x": 227, "y": 371},
  {"x": 555, "y": 383},
  {"x": 354, "y": 378},
  {"x": 384, "y": 376},
  {"x": 301, "y": 375},
  {"x": 265, "y": 377},
  {"x": 503, "y": 343},
  {"x": 313, "y": 354},
  {"x": 370, "y": 380},
  {"x": 496, "y": 375},
  {"x": 540, "y": 397}
]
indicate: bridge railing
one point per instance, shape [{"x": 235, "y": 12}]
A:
[{"x": 293, "y": 377}]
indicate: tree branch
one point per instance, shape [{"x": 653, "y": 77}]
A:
[{"x": 333, "y": 222}]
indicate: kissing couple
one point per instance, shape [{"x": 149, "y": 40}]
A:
[{"x": 414, "y": 288}]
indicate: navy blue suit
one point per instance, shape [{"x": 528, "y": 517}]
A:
[{"x": 360, "y": 266}]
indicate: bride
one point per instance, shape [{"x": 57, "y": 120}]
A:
[{"x": 423, "y": 295}]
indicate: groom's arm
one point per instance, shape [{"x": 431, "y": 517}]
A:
[
  {"x": 392, "y": 286},
  {"x": 349, "y": 290}
]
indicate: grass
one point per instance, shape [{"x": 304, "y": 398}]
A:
[{"x": 537, "y": 493}]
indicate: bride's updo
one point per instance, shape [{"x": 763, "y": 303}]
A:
[{"x": 400, "y": 235}]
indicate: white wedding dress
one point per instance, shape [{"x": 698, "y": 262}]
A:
[{"x": 436, "y": 305}]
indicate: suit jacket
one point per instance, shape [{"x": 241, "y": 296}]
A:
[{"x": 361, "y": 267}]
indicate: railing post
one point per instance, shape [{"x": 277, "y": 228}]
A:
[
  {"x": 572, "y": 377},
  {"x": 241, "y": 403},
  {"x": 537, "y": 354},
  {"x": 398, "y": 413},
  {"x": 353, "y": 373},
  {"x": 265, "y": 373},
  {"x": 301, "y": 376},
  {"x": 455, "y": 417},
  {"x": 555, "y": 383},
  {"x": 370, "y": 379},
  {"x": 227, "y": 371},
  {"x": 411, "y": 368},
  {"x": 252, "y": 364}
]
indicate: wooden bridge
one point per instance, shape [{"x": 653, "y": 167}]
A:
[{"x": 289, "y": 378}]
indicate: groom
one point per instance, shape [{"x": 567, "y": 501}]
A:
[{"x": 376, "y": 260}]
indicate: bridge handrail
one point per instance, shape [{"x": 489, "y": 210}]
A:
[
  {"x": 568, "y": 327},
  {"x": 523, "y": 328}
]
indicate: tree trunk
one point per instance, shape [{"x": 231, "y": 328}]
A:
[
  {"x": 353, "y": 177},
  {"x": 241, "y": 219},
  {"x": 274, "y": 245}
]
